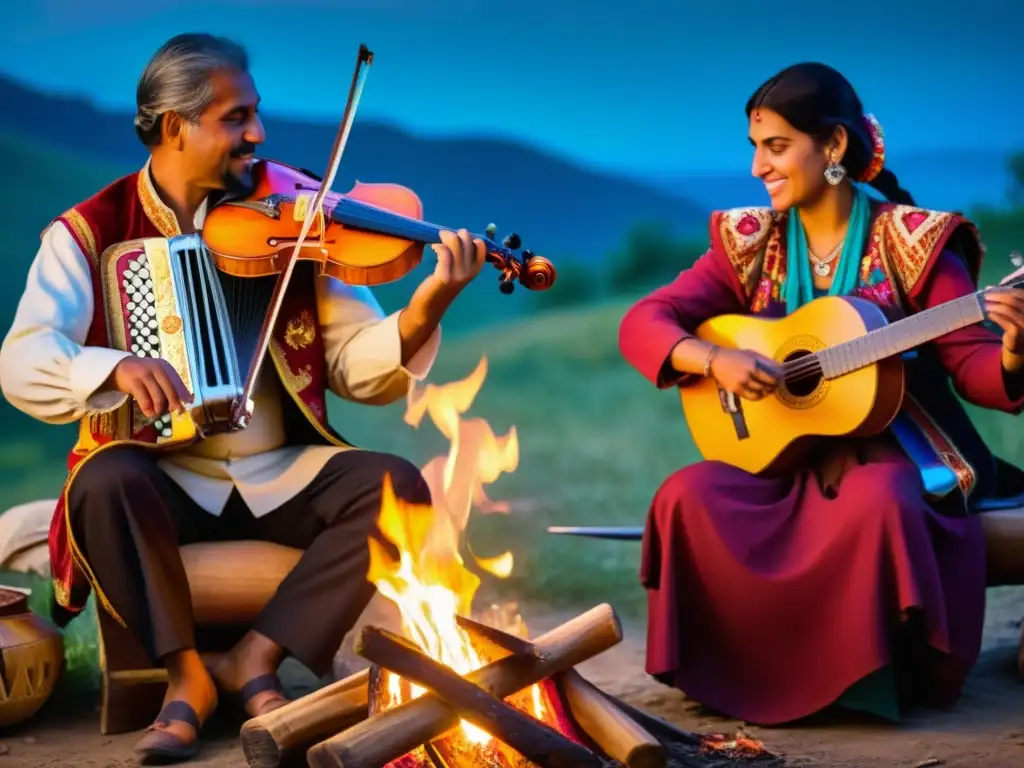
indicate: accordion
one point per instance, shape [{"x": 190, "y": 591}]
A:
[{"x": 165, "y": 299}]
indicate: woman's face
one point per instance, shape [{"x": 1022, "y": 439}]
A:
[{"x": 790, "y": 163}]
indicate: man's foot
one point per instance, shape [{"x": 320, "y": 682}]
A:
[
  {"x": 174, "y": 735},
  {"x": 250, "y": 682}
]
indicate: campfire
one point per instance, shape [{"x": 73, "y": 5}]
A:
[{"x": 451, "y": 691}]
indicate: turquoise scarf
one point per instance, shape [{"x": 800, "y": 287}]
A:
[{"x": 799, "y": 285}]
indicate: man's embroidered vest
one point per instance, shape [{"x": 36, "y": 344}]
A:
[
  {"x": 903, "y": 247},
  {"x": 128, "y": 209}
]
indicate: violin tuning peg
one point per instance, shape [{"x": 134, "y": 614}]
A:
[
  {"x": 513, "y": 241},
  {"x": 527, "y": 255},
  {"x": 506, "y": 287},
  {"x": 491, "y": 231},
  {"x": 1017, "y": 259}
]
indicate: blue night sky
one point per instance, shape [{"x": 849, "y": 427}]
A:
[{"x": 639, "y": 85}]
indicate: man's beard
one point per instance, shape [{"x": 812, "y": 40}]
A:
[{"x": 239, "y": 184}]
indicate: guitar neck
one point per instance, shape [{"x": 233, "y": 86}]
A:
[{"x": 901, "y": 336}]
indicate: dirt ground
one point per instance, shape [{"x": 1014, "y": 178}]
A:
[{"x": 985, "y": 730}]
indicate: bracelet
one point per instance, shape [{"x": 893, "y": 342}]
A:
[{"x": 710, "y": 358}]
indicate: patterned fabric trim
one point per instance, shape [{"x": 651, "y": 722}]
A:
[
  {"x": 82, "y": 232},
  {"x": 742, "y": 234},
  {"x": 163, "y": 218},
  {"x": 966, "y": 476},
  {"x": 913, "y": 238}
]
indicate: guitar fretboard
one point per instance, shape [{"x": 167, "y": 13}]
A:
[{"x": 901, "y": 336}]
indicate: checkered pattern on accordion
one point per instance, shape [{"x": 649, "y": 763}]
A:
[{"x": 171, "y": 304}]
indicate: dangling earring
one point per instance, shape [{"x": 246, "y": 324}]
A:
[{"x": 834, "y": 173}]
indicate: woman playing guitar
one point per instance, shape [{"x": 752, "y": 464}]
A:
[{"x": 853, "y": 575}]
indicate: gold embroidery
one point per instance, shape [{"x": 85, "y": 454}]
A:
[
  {"x": 61, "y": 593},
  {"x": 83, "y": 232},
  {"x": 300, "y": 331},
  {"x": 744, "y": 233},
  {"x": 295, "y": 381},
  {"x": 284, "y": 372},
  {"x": 163, "y": 218},
  {"x": 909, "y": 237}
]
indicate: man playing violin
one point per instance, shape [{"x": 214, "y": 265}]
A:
[{"x": 287, "y": 478}]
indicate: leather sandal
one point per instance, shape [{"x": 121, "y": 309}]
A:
[
  {"x": 158, "y": 747},
  {"x": 267, "y": 682}
]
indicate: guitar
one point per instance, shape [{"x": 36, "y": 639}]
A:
[{"x": 842, "y": 376}]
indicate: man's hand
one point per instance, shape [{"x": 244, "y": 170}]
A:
[
  {"x": 155, "y": 385},
  {"x": 747, "y": 374},
  {"x": 459, "y": 259}
]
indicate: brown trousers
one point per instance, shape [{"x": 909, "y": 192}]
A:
[{"x": 129, "y": 519}]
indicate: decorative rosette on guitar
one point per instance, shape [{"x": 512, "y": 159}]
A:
[{"x": 534, "y": 272}]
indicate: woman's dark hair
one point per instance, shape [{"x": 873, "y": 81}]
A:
[
  {"x": 814, "y": 99},
  {"x": 177, "y": 79}
]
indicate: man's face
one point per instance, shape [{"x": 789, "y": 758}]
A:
[{"x": 219, "y": 148}]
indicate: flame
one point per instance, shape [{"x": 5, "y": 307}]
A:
[{"x": 429, "y": 581}]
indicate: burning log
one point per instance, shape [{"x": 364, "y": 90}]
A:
[
  {"x": 612, "y": 729},
  {"x": 276, "y": 737},
  {"x": 395, "y": 732},
  {"x": 532, "y": 738}
]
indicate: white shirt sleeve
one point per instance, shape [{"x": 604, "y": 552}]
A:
[
  {"x": 363, "y": 348},
  {"x": 45, "y": 371}
]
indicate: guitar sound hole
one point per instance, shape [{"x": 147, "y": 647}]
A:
[{"x": 801, "y": 385}]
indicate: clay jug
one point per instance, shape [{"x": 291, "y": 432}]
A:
[{"x": 32, "y": 651}]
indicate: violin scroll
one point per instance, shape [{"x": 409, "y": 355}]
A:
[{"x": 535, "y": 273}]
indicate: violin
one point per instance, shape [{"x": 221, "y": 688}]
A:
[{"x": 373, "y": 234}]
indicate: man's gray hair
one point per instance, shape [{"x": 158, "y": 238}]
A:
[{"x": 178, "y": 79}]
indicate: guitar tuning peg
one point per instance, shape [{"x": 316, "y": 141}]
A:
[
  {"x": 491, "y": 231},
  {"x": 512, "y": 241}
]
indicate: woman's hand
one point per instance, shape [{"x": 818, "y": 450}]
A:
[
  {"x": 1005, "y": 308},
  {"x": 747, "y": 374}
]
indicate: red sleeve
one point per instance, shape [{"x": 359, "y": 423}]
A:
[
  {"x": 972, "y": 355},
  {"x": 653, "y": 326}
]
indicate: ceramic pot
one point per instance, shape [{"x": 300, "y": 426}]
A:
[{"x": 31, "y": 656}]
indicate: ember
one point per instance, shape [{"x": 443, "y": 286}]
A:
[{"x": 740, "y": 746}]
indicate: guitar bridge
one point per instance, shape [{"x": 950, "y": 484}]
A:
[{"x": 732, "y": 405}]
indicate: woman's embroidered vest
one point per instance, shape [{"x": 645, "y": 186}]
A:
[{"x": 902, "y": 248}]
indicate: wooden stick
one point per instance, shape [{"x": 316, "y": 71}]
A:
[
  {"x": 274, "y": 738},
  {"x": 615, "y": 732},
  {"x": 533, "y": 739},
  {"x": 394, "y": 732}
]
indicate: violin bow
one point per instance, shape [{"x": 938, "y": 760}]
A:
[{"x": 313, "y": 211}]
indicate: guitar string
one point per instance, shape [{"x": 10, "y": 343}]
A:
[{"x": 811, "y": 364}]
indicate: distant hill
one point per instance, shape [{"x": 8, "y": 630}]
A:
[{"x": 559, "y": 208}]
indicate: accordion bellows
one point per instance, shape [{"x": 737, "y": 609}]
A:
[{"x": 165, "y": 299}]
